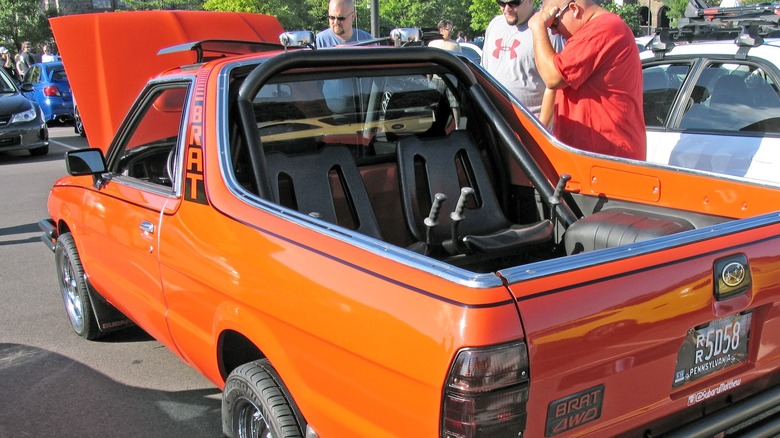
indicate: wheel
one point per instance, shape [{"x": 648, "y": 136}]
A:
[
  {"x": 254, "y": 404},
  {"x": 73, "y": 286},
  {"x": 78, "y": 127}
]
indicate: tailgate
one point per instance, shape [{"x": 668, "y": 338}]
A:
[{"x": 648, "y": 337}]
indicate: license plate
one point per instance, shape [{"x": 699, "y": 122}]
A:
[{"x": 720, "y": 344}]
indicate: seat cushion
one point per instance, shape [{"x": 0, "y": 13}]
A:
[{"x": 618, "y": 226}]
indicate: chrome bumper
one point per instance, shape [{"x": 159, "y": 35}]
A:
[{"x": 49, "y": 236}]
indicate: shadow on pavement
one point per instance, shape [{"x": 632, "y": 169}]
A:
[
  {"x": 14, "y": 157},
  {"x": 45, "y": 394}
]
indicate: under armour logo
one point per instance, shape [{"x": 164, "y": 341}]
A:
[{"x": 500, "y": 47}]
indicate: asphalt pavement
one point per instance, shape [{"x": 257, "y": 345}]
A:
[{"x": 55, "y": 384}]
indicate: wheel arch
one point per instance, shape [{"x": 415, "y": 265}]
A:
[{"x": 235, "y": 349}]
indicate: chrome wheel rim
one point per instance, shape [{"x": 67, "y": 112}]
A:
[
  {"x": 70, "y": 293},
  {"x": 249, "y": 421}
]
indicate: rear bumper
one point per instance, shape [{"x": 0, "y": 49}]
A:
[
  {"x": 753, "y": 416},
  {"x": 49, "y": 236}
]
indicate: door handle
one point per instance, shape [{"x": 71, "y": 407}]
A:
[{"x": 147, "y": 227}]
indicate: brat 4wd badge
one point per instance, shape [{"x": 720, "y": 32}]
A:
[{"x": 575, "y": 410}]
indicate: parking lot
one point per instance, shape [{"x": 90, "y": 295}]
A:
[{"x": 53, "y": 383}]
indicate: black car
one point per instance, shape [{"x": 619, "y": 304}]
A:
[{"x": 21, "y": 120}]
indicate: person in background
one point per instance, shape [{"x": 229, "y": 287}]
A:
[
  {"x": 508, "y": 55},
  {"x": 47, "y": 55},
  {"x": 341, "y": 17},
  {"x": 462, "y": 38},
  {"x": 25, "y": 60},
  {"x": 8, "y": 63},
  {"x": 598, "y": 75},
  {"x": 445, "y": 30}
]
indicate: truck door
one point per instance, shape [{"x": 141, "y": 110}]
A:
[{"x": 139, "y": 191}]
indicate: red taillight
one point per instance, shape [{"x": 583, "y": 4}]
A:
[
  {"x": 486, "y": 393},
  {"x": 51, "y": 90}
]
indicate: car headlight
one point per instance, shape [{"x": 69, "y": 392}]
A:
[{"x": 24, "y": 116}]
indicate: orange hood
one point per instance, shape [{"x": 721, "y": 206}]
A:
[{"x": 110, "y": 56}]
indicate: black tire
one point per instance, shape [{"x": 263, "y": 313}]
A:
[
  {"x": 254, "y": 404},
  {"x": 73, "y": 286}
]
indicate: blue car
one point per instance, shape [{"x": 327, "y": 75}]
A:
[{"x": 47, "y": 84}]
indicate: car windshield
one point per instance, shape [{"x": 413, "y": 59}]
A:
[
  {"x": 6, "y": 84},
  {"x": 359, "y": 110}
]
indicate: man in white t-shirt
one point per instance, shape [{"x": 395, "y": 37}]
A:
[
  {"x": 508, "y": 55},
  {"x": 47, "y": 55}
]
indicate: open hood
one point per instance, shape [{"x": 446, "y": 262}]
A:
[{"x": 110, "y": 56}]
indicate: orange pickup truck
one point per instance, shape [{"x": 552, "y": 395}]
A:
[{"x": 378, "y": 241}]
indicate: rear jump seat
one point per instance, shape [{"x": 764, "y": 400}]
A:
[{"x": 619, "y": 226}]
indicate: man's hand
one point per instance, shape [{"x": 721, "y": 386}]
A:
[{"x": 544, "y": 18}]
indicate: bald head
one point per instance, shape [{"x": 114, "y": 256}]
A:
[{"x": 341, "y": 16}]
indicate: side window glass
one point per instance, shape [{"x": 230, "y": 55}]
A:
[
  {"x": 367, "y": 114},
  {"x": 30, "y": 76},
  {"x": 147, "y": 151},
  {"x": 660, "y": 85},
  {"x": 733, "y": 97}
]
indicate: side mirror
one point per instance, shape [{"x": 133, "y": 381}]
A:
[
  {"x": 402, "y": 36},
  {"x": 298, "y": 38},
  {"x": 86, "y": 162},
  {"x": 26, "y": 87}
]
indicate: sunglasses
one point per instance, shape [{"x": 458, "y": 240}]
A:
[
  {"x": 557, "y": 17},
  {"x": 511, "y": 3},
  {"x": 339, "y": 18}
]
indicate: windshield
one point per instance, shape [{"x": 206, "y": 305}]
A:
[{"x": 6, "y": 83}]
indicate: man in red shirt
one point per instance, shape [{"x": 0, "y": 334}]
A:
[{"x": 598, "y": 73}]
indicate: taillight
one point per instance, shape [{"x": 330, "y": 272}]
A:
[
  {"x": 486, "y": 393},
  {"x": 51, "y": 90}
]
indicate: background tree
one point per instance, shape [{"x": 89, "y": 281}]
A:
[
  {"x": 472, "y": 16},
  {"x": 628, "y": 12},
  {"x": 23, "y": 20},
  {"x": 482, "y": 11},
  {"x": 292, "y": 15},
  {"x": 151, "y": 5}
]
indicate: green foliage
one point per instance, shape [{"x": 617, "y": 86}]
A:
[
  {"x": 150, "y": 5},
  {"x": 676, "y": 10},
  {"x": 292, "y": 15},
  {"x": 232, "y": 5},
  {"x": 426, "y": 15},
  {"x": 23, "y": 20},
  {"x": 482, "y": 11},
  {"x": 628, "y": 12}
]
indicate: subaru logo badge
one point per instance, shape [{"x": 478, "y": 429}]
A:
[{"x": 731, "y": 276}]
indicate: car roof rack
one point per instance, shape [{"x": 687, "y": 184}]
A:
[{"x": 747, "y": 26}]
